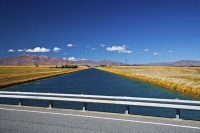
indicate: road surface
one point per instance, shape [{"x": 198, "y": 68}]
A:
[{"x": 14, "y": 119}]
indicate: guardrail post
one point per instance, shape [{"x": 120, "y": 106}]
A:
[
  {"x": 127, "y": 110},
  {"x": 177, "y": 113},
  {"x": 84, "y": 106},
  {"x": 50, "y": 104},
  {"x": 20, "y": 102}
]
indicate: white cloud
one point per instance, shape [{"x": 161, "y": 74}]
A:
[
  {"x": 65, "y": 53},
  {"x": 20, "y": 50},
  {"x": 56, "y": 49},
  {"x": 87, "y": 46},
  {"x": 127, "y": 51},
  {"x": 146, "y": 50},
  {"x": 38, "y": 49},
  {"x": 156, "y": 54},
  {"x": 170, "y": 51},
  {"x": 72, "y": 59},
  {"x": 69, "y": 45},
  {"x": 102, "y": 45},
  {"x": 115, "y": 48},
  {"x": 82, "y": 59},
  {"x": 64, "y": 58},
  {"x": 11, "y": 50},
  {"x": 93, "y": 48},
  {"x": 120, "y": 49}
]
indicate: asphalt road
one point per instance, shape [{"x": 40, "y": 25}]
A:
[{"x": 15, "y": 119}]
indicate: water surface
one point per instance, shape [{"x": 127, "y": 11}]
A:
[{"x": 97, "y": 82}]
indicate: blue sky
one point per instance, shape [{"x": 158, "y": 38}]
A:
[{"x": 141, "y": 31}]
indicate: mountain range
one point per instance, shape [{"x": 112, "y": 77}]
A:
[
  {"x": 177, "y": 63},
  {"x": 28, "y": 59}
]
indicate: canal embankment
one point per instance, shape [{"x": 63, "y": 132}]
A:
[
  {"x": 179, "y": 79},
  {"x": 14, "y": 75}
]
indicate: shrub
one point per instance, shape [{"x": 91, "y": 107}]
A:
[
  {"x": 102, "y": 65},
  {"x": 74, "y": 66}
]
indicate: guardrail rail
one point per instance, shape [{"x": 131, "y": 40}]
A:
[{"x": 126, "y": 101}]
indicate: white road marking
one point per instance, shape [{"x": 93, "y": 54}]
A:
[{"x": 104, "y": 118}]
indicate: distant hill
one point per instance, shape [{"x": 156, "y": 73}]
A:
[
  {"x": 28, "y": 59},
  {"x": 177, "y": 63},
  {"x": 109, "y": 62},
  {"x": 187, "y": 63}
]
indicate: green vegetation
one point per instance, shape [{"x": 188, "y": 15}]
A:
[
  {"x": 70, "y": 66},
  {"x": 87, "y": 66},
  {"x": 66, "y": 66},
  {"x": 102, "y": 65}
]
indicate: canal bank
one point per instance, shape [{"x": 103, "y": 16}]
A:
[
  {"x": 24, "y": 74},
  {"x": 174, "y": 84}
]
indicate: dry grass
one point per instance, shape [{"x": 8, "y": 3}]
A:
[
  {"x": 185, "y": 80},
  {"x": 12, "y": 75},
  {"x": 167, "y": 69}
]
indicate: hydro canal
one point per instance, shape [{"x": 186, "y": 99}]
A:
[{"x": 96, "y": 82}]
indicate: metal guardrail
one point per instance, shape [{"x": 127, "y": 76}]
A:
[{"x": 126, "y": 101}]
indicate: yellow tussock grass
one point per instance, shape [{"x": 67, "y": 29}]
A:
[
  {"x": 21, "y": 74},
  {"x": 176, "y": 84}
]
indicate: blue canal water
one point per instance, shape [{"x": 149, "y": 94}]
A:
[{"x": 97, "y": 82}]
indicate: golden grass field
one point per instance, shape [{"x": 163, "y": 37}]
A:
[
  {"x": 13, "y": 75},
  {"x": 185, "y": 80}
]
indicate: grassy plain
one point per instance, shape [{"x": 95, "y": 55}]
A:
[
  {"x": 13, "y": 75},
  {"x": 185, "y": 80}
]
